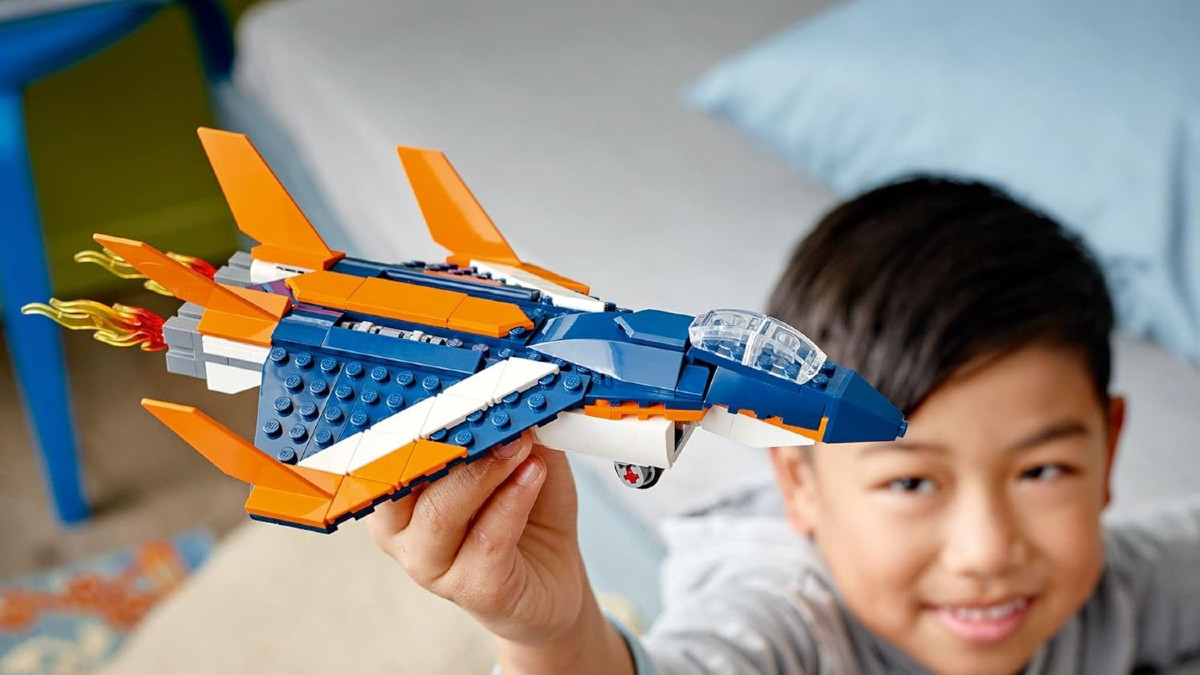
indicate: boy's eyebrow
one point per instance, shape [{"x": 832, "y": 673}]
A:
[{"x": 1053, "y": 432}]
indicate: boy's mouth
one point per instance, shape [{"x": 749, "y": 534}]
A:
[{"x": 983, "y": 624}]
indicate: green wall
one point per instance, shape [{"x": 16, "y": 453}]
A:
[{"x": 114, "y": 150}]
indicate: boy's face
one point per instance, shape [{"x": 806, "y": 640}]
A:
[{"x": 969, "y": 542}]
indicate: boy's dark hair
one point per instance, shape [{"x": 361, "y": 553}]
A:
[{"x": 911, "y": 281}]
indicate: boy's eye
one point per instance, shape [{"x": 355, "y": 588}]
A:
[
  {"x": 1045, "y": 472},
  {"x": 912, "y": 485}
]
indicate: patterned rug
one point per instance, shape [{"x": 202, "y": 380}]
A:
[{"x": 69, "y": 620}]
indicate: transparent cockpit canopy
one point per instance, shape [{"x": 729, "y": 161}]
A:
[{"x": 758, "y": 341}]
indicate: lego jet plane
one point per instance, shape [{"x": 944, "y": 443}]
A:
[{"x": 374, "y": 378}]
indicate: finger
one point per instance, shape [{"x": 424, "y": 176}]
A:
[
  {"x": 444, "y": 511},
  {"x": 391, "y": 517},
  {"x": 490, "y": 548},
  {"x": 558, "y": 506}
]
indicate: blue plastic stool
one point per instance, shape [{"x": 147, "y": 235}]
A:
[{"x": 36, "y": 39}]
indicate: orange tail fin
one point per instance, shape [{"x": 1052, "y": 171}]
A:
[{"x": 261, "y": 206}]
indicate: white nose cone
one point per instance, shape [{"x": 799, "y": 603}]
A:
[{"x": 749, "y": 431}]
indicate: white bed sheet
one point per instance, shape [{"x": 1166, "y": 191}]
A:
[{"x": 565, "y": 119}]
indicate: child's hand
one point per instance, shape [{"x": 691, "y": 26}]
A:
[{"x": 498, "y": 538}]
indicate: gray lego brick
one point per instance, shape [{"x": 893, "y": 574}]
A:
[
  {"x": 190, "y": 310},
  {"x": 237, "y": 272},
  {"x": 181, "y": 331},
  {"x": 248, "y": 365},
  {"x": 182, "y": 365}
]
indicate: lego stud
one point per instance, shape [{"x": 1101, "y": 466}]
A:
[
  {"x": 329, "y": 365},
  {"x": 405, "y": 378},
  {"x": 431, "y": 383},
  {"x": 479, "y": 347},
  {"x": 439, "y": 435},
  {"x": 463, "y": 438},
  {"x": 369, "y": 397},
  {"x": 533, "y": 356},
  {"x": 475, "y": 417},
  {"x": 344, "y": 391},
  {"x": 536, "y": 402},
  {"x": 354, "y": 370},
  {"x": 501, "y": 419},
  {"x": 319, "y": 387},
  {"x": 308, "y": 410},
  {"x": 547, "y": 381},
  {"x": 454, "y": 342},
  {"x": 287, "y": 456},
  {"x": 304, "y": 360},
  {"x": 283, "y": 405},
  {"x": 272, "y": 428},
  {"x": 297, "y": 432},
  {"x": 505, "y": 353},
  {"x": 323, "y": 437},
  {"x": 379, "y": 374},
  {"x": 359, "y": 419},
  {"x": 572, "y": 382},
  {"x": 395, "y": 401},
  {"x": 511, "y": 399},
  {"x": 278, "y": 356},
  {"x": 333, "y": 415},
  {"x": 293, "y": 383}
]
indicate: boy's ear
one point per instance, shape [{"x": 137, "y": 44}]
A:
[
  {"x": 797, "y": 485},
  {"x": 1116, "y": 422}
]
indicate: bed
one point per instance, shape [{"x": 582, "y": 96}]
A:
[{"x": 565, "y": 119}]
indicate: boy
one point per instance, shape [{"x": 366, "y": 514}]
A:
[{"x": 972, "y": 546}]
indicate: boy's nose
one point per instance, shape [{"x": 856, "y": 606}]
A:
[{"x": 982, "y": 538}]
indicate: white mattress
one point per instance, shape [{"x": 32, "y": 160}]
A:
[{"x": 564, "y": 118}]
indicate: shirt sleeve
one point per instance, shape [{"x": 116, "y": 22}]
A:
[
  {"x": 1159, "y": 558},
  {"x": 762, "y": 628}
]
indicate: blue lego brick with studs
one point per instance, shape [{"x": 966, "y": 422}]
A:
[
  {"x": 310, "y": 400},
  {"x": 482, "y": 429}
]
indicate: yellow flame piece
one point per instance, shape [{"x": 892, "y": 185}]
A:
[
  {"x": 119, "y": 325},
  {"x": 117, "y": 266}
]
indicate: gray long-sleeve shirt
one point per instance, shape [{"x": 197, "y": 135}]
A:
[{"x": 745, "y": 594}]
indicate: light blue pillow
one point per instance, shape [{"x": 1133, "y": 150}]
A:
[{"x": 1087, "y": 109}]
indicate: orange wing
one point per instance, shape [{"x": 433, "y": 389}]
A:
[{"x": 233, "y": 313}]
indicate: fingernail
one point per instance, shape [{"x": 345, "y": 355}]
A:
[
  {"x": 508, "y": 450},
  {"x": 529, "y": 472}
]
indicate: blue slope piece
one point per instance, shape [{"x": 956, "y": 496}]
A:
[
  {"x": 858, "y": 411},
  {"x": 656, "y": 328},
  {"x": 738, "y": 391}
]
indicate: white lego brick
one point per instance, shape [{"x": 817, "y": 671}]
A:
[
  {"x": 519, "y": 375},
  {"x": 481, "y": 385},
  {"x": 336, "y": 458},
  {"x": 649, "y": 442},
  {"x": 231, "y": 379},
  {"x": 684, "y": 437},
  {"x": 234, "y": 350},
  {"x": 407, "y": 422},
  {"x": 756, "y": 433},
  {"x": 570, "y": 430},
  {"x": 447, "y": 411},
  {"x": 263, "y": 272},
  {"x": 376, "y": 444},
  {"x": 561, "y": 296},
  {"x": 717, "y": 420}
]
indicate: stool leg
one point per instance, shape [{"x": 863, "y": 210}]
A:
[{"x": 33, "y": 341}]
